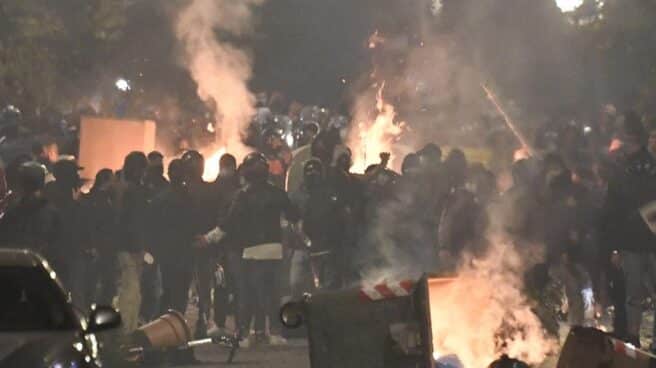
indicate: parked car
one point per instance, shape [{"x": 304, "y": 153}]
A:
[{"x": 39, "y": 326}]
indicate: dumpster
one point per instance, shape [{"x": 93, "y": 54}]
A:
[{"x": 383, "y": 325}]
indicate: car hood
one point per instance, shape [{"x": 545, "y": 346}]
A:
[{"x": 35, "y": 349}]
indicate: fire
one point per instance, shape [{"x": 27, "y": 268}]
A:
[
  {"x": 373, "y": 137},
  {"x": 212, "y": 164},
  {"x": 482, "y": 313}
]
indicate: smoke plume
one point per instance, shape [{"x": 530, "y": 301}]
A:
[{"x": 220, "y": 67}]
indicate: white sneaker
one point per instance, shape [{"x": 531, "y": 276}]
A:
[{"x": 277, "y": 340}]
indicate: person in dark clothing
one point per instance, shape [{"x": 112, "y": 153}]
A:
[
  {"x": 154, "y": 179},
  {"x": 430, "y": 158},
  {"x": 627, "y": 222},
  {"x": 460, "y": 212},
  {"x": 254, "y": 225},
  {"x": 324, "y": 218},
  {"x": 100, "y": 222},
  {"x": 172, "y": 232},
  {"x": 72, "y": 259},
  {"x": 132, "y": 207},
  {"x": 228, "y": 271},
  {"x": 151, "y": 278},
  {"x": 30, "y": 222},
  {"x": 205, "y": 214}
]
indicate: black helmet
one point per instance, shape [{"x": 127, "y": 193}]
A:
[
  {"x": 430, "y": 155},
  {"x": 411, "y": 164},
  {"x": 176, "y": 171},
  {"x": 32, "y": 176},
  {"x": 255, "y": 167},
  {"x": 194, "y": 163}
]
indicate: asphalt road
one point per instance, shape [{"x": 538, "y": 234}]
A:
[{"x": 293, "y": 356}]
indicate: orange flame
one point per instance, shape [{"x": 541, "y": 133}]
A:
[
  {"x": 482, "y": 313},
  {"x": 373, "y": 137},
  {"x": 212, "y": 164}
]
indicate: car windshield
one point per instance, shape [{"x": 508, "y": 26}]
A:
[{"x": 31, "y": 301}]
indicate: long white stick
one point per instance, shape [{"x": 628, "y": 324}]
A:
[{"x": 520, "y": 137}]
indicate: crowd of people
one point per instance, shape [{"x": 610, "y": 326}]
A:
[{"x": 143, "y": 237}]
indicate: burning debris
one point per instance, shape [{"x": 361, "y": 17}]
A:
[
  {"x": 482, "y": 313},
  {"x": 371, "y": 136}
]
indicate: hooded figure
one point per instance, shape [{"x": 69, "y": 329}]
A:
[
  {"x": 253, "y": 224},
  {"x": 63, "y": 194},
  {"x": 31, "y": 222}
]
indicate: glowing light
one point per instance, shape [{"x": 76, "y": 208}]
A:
[
  {"x": 289, "y": 139},
  {"x": 53, "y": 275},
  {"x": 210, "y": 128},
  {"x": 211, "y": 170},
  {"x": 567, "y": 6},
  {"x": 123, "y": 85},
  {"x": 377, "y": 136},
  {"x": 78, "y": 346},
  {"x": 615, "y": 145}
]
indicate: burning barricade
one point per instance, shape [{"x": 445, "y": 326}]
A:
[{"x": 414, "y": 324}]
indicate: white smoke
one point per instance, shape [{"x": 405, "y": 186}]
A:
[{"x": 220, "y": 68}]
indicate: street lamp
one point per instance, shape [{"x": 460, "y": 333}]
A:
[{"x": 567, "y": 6}]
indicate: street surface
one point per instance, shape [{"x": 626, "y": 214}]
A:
[{"x": 293, "y": 356}]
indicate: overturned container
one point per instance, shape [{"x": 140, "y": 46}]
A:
[{"x": 384, "y": 325}]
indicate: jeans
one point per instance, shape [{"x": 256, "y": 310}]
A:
[
  {"x": 227, "y": 293},
  {"x": 639, "y": 270},
  {"x": 204, "y": 272},
  {"x": 300, "y": 274},
  {"x": 176, "y": 279},
  {"x": 260, "y": 296},
  {"x": 129, "y": 289},
  {"x": 151, "y": 281},
  {"x": 84, "y": 279}
]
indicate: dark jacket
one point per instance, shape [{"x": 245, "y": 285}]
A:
[
  {"x": 324, "y": 216},
  {"x": 132, "y": 218},
  {"x": 172, "y": 226},
  {"x": 254, "y": 217},
  {"x": 226, "y": 189},
  {"x": 33, "y": 224},
  {"x": 100, "y": 222},
  {"x": 630, "y": 188}
]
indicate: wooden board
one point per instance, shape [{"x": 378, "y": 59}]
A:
[{"x": 105, "y": 142}]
